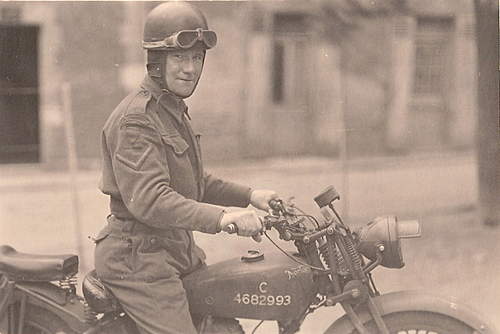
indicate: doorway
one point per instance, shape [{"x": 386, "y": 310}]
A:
[
  {"x": 290, "y": 112},
  {"x": 19, "y": 94}
]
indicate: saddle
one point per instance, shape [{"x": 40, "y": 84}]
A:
[
  {"x": 35, "y": 267},
  {"x": 98, "y": 297}
]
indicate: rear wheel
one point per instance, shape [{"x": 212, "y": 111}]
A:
[
  {"x": 41, "y": 321},
  {"x": 413, "y": 322}
]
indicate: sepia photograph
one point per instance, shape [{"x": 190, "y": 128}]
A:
[{"x": 249, "y": 166}]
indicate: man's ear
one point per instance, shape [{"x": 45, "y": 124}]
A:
[
  {"x": 155, "y": 61},
  {"x": 154, "y": 70}
]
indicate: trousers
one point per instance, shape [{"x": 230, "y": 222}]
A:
[{"x": 149, "y": 289}]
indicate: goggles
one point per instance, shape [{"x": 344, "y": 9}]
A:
[{"x": 185, "y": 39}]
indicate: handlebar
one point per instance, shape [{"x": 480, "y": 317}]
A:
[{"x": 274, "y": 204}]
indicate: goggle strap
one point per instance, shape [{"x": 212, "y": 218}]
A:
[
  {"x": 153, "y": 45},
  {"x": 163, "y": 45}
]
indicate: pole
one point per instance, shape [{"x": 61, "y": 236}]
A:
[
  {"x": 70, "y": 142},
  {"x": 344, "y": 159},
  {"x": 488, "y": 138}
]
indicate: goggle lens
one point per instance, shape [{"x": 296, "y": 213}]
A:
[
  {"x": 187, "y": 38},
  {"x": 210, "y": 38}
]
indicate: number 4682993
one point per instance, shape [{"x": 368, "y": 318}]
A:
[{"x": 262, "y": 300}]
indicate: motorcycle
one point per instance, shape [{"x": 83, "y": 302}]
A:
[{"x": 331, "y": 266}]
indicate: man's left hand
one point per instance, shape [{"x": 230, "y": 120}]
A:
[{"x": 260, "y": 198}]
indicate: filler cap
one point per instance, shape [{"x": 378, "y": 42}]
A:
[{"x": 253, "y": 256}]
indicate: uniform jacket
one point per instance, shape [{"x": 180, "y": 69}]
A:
[{"x": 153, "y": 172}]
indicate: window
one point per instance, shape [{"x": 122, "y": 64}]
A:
[{"x": 432, "y": 55}]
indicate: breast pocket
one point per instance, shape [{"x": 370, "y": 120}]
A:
[
  {"x": 182, "y": 177},
  {"x": 176, "y": 144}
]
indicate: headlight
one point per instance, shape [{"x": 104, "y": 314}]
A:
[{"x": 383, "y": 235}]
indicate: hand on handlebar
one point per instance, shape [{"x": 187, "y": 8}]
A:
[
  {"x": 260, "y": 198},
  {"x": 245, "y": 223}
]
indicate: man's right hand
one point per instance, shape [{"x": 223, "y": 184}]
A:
[{"x": 246, "y": 221}]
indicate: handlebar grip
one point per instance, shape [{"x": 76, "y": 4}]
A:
[
  {"x": 274, "y": 204},
  {"x": 231, "y": 228}
]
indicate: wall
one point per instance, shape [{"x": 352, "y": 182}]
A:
[
  {"x": 91, "y": 55},
  {"x": 363, "y": 73},
  {"x": 216, "y": 106},
  {"x": 365, "y": 67}
]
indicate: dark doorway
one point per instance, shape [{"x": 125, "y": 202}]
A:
[
  {"x": 290, "y": 79},
  {"x": 19, "y": 95}
]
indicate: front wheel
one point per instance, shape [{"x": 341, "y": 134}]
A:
[{"x": 412, "y": 322}]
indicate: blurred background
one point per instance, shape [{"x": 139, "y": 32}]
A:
[{"x": 395, "y": 102}]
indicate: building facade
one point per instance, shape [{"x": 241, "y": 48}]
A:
[{"x": 286, "y": 78}]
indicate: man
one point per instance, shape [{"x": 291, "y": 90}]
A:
[{"x": 153, "y": 173}]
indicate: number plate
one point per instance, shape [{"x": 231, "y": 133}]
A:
[{"x": 262, "y": 300}]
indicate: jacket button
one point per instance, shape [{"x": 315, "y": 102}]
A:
[{"x": 153, "y": 240}]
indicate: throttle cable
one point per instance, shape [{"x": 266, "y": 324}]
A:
[{"x": 293, "y": 258}]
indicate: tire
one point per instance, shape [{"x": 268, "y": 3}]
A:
[
  {"x": 41, "y": 321},
  {"x": 420, "y": 322}
]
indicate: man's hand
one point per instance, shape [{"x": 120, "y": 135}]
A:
[
  {"x": 260, "y": 198},
  {"x": 247, "y": 223}
]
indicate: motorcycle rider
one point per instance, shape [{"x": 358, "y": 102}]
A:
[{"x": 153, "y": 172}]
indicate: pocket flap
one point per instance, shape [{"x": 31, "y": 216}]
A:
[
  {"x": 178, "y": 144},
  {"x": 102, "y": 234}
]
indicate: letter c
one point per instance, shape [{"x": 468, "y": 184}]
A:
[{"x": 263, "y": 287}]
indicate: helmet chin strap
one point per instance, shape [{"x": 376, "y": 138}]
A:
[{"x": 156, "y": 67}]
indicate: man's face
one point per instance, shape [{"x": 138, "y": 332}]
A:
[{"x": 183, "y": 70}]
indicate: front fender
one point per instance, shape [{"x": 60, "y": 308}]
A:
[{"x": 416, "y": 301}]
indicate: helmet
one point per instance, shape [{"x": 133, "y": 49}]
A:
[
  {"x": 173, "y": 25},
  {"x": 168, "y": 19}
]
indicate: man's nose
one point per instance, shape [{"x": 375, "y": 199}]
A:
[{"x": 188, "y": 65}]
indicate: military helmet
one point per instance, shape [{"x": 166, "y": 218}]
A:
[{"x": 174, "y": 25}]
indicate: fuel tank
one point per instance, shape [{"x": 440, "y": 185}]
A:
[{"x": 254, "y": 286}]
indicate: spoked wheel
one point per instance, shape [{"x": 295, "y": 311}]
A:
[
  {"x": 418, "y": 322},
  {"x": 41, "y": 321}
]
